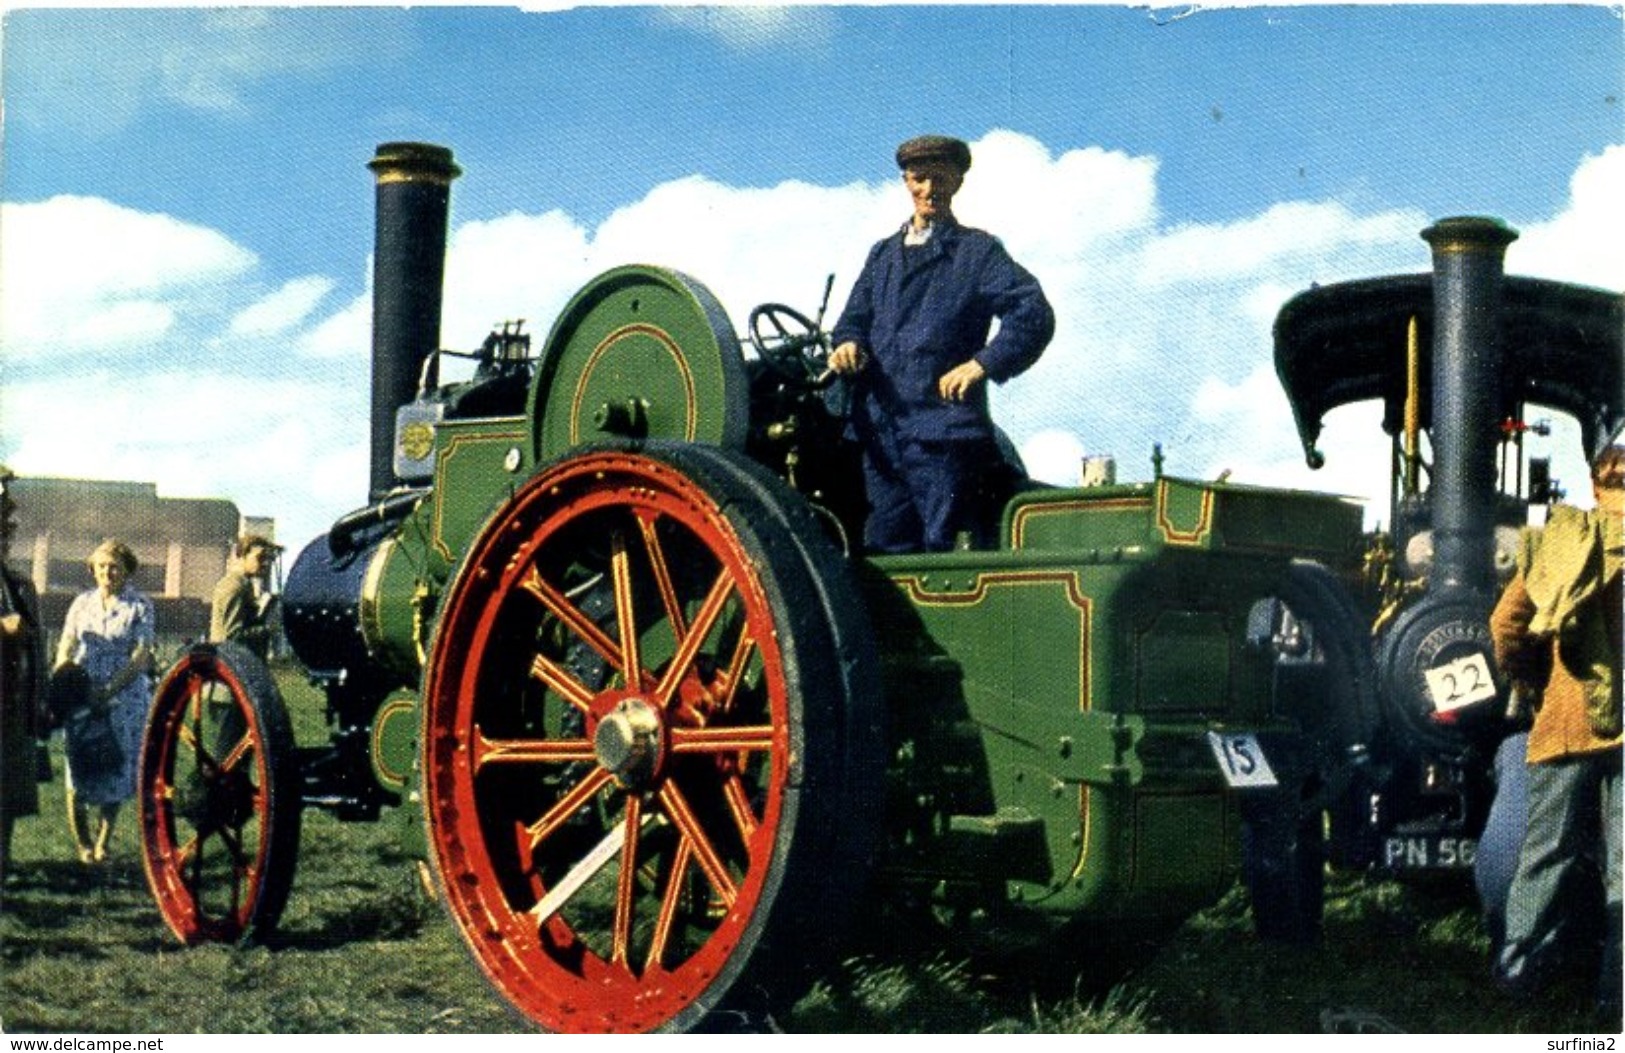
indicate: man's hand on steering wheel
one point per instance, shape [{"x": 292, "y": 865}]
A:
[{"x": 848, "y": 358}]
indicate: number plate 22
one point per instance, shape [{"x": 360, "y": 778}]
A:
[{"x": 1460, "y": 683}]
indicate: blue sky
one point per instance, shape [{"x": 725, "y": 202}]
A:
[{"x": 188, "y": 218}]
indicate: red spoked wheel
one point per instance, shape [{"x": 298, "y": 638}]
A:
[
  {"x": 645, "y": 742},
  {"x": 219, "y": 796}
]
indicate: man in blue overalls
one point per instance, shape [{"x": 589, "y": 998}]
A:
[{"x": 913, "y": 338}]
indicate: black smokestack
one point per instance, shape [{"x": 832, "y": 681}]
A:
[
  {"x": 1468, "y": 259},
  {"x": 409, "y": 265}
]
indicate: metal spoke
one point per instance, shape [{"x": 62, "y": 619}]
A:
[
  {"x": 584, "y": 871},
  {"x": 560, "y": 681},
  {"x": 194, "y": 693},
  {"x": 234, "y": 847},
  {"x": 677, "y": 807},
  {"x": 733, "y": 791},
  {"x": 735, "y": 674},
  {"x": 662, "y": 572},
  {"x": 707, "y": 617},
  {"x": 567, "y": 806},
  {"x": 626, "y": 884},
  {"x": 196, "y": 883},
  {"x": 721, "y": 739},
  {"x": 238, "y": 752},
  {"x": 239, "y": 870},
  {"x": 561, "y": 608},
  {"x": 185, "y": 733},
  {"x": 192, "y": 733},
  {"x": 668, "y": 904},
  {"x": 620, "y": 566},
  {"x": 184, "y": 852},
  {"x": 528, "y": 751}
]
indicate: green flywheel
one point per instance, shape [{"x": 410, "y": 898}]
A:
[{"x": 640, "y": 352}]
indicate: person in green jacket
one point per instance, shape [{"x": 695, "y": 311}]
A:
[{"x": 243, "y": 603}]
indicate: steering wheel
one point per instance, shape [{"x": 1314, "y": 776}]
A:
[{"x": 792, "y": 345}]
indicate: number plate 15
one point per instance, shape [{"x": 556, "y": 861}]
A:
[{"x": 1241, "y": 759}]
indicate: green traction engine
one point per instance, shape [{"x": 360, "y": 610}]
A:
[{"x": 601, "y": 640}]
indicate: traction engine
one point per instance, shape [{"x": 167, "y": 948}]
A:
[
  {"x": 601, "y": 640},
  {"x": 1408, "y": 721}
]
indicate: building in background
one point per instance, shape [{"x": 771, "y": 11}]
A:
[{"x": 184, "y": 545}]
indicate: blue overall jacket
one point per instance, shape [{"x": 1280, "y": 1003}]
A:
[{"x": 918, "y": 321}]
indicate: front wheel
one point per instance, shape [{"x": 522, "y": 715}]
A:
[
  {"x": 651, "y": 743},
  {"x": 219, "y": 796}
]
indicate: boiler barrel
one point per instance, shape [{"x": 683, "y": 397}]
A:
[{"x": 322, "y": 607}]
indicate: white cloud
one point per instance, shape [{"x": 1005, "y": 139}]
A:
[
  {"x": 1056, "y": 208},
  {"x": 510, "y": 268},
  {"x": 283, "y": 309},
  {"x": 1053, "y": 456},
  {"x": 347, "y": 333},
  {"x": 753, "y": 245},
  {"x": 754, "y": 27},
  {"x": 93, "y": 72},
  {"x": 123, "y": 323},
  {"x": 84, "y": 274},
  {"x": 262, "y": 442},
  {"x": 1163, "y": 336},
  {"x": 1583, "y": 243},
  {"x": 1297, "y": 234}
]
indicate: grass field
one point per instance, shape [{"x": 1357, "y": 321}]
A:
[{"x": 364, "y": 949}]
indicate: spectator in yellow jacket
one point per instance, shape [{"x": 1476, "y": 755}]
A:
[{"x": 1557, "y": 632}]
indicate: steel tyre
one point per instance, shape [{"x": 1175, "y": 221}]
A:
[
  {"x": 1334, "y": 700},
  {"x": 638, "y": 749},
  {"x": 1327, "y": 685},
  {"x": 219, "y": 797},
  {"x": 1283, "y": 850},
  {"x": 856, "y": 736}
]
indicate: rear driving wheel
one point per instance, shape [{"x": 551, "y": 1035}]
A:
[
  {"x": 639, "y": 743},
  {"x": 219, "y": 796}
]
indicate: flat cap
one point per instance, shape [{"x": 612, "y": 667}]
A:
[
  {"x": 249, "y": 542},
  {"x": 925, "y": 148}
]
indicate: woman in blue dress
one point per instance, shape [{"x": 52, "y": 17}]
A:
[{"x": 110, "y": 634}]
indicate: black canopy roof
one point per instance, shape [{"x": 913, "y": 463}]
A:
[{"x": 1561, "y": 347}]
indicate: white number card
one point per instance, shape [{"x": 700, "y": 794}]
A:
[
  {"x": 1241, "y": 759},
  {"x": 1460, "y": 683}
]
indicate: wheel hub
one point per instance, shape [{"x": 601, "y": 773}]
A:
[
  {"x": 222, "y": 801},
  {"x": 627, "y": 743}
]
